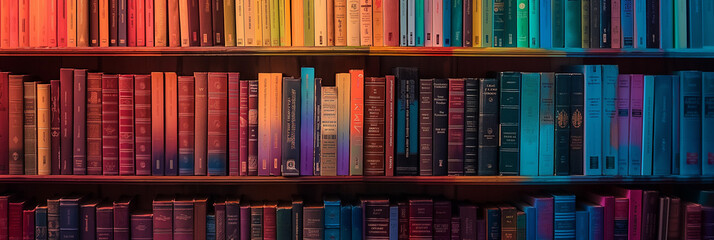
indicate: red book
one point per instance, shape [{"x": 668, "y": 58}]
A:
[
  {"x": 4, "y": 124},
  {"x": 163, "y": 218},
  {"x": 390, "y": 11},
  {"x": 389, "y": 125},
  {"x": 28, "y": 224},
  {"x": 201, "y": 115},
  {"x": 174, "y": 26},
  {"x": 140, "y": 23},
  {"x": 374, "y": 113},
  {"x": 194, "y": 28},
  {"x": 675, "y": 214},
  {"x": 67, "y": 86},
  {"x": 620, "y": 218},
  {"x": 94, "y": 23},
  {"x": 94, "y": 124},
  {"x": 217, "y": 123},
  {"x": 24, "y": 23},
  {"x": 421, "y": 217},
  {"x": 243, "y": 128},
  {"x": 55, "y": 126},
  {"x": 14, "y": 25},
  {"x": 199, "y": 217},
  {"x": 269, "y": 221},
  {"x": 80, "y": 122},
  {"x": 14, "y": 217},
  {"x": 110, "y": 124},
  {"x": 171, "y": 121},
  {"x": 16, "y": 124},
  {"x": 4, "y": 205},
  {"x": 131, "y": 23},
  {"x": 149, "y": 7},
  {"x": 205, "y": 20},
  {"x": 456, "y": 127},
  {"x": 186, "y": 125},
  {"x": 157, "y": 123},
  {"x": 142, "y": 124},
  {"x": 183, "y": 219},
  {"x": 634, "y": 217},
  {"x": 233, "y": 124},
  {"x": 253, "y": 128},
  {"x": 126, "y": 124},
  {"x": 403, "y": 220}
]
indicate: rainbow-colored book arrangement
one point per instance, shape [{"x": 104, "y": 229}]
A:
[
  {"x": 621, "y": 214},
  {"x": 589, "y": 120},
  {"x": 547, "y": 24}
]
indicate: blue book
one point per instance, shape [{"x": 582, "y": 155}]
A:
[
  {"x": 707, "y": 20},
  {"x": 332, "y": 213},
  {"x": 499, "y": 23},
  {"x": 581, "y": 225},
  {"x": 307, "y": 119},
  {"x": 690, "y": 120},
  {"x": 707, "y": 123},
  {"x": 639, "y": 14},
  {"x": 407, "y": 124},
  {"x": 531, "y": 222},
  {"x": 393, "y": 222},
  {"x": 509, "y": 119},
  {"x": 557, "y": 16},
  {"x": 647, "y": 125},
  {"x": 675, "y": 125},
  {"x": 357, "y": 222},
  {"x": 332, "y": 233},
  {"x": 419, "y": 23},
  {"x": 457, "y": 33},
  {"x": 403, "y": 23},
  {"x": 609, "y": 120},
  {"x": 573, "y": 33},
  {"x": 544, "y": 215},
  {"x": 446, "y": 22},
  {"x": 493, "y": 223},
  {"x": 546, "y": 24},
  {"x": 563, "y": 216},
  {"x": 546, "y": 103},
  {"x": 627, "y": 22},
  {"x": 530, "y": 99},
  {"x": 694, "y": 22},
  {"x": 69, "y": 218},
  {"x": 623, "y": 123},
  {"x": 596, "y": 215},
  {"x": 666, "y": 23},
  {"x": 41, "y": 223},
  {"x": 662, "y": 125},
  {"x": 210, "y": 227},
  {"x": 411, "y": 22},
  {"x": 346, "y": 222},
  {"x": 533, "y": 24},
  {"x": 592, "y": 146}
]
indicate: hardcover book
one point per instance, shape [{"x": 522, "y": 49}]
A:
[
  {"x": 425, "y": 123},
  {"x": 471, "y": 91},
  {"x": 233, "y": 121},
  {"x": 67, "y": 86},
  {"x": 376, "y": 218},
  {"x": 343, "y": 124},
  {"x": 442, "y": 219},
  {"x": 440, "y": 138},
  {"x": 163, "y": 218},
  {"x": 171, "y": 124},
  {"x": 290, "y": 125},
  {"x": 690, "y": 120},
  {"x": 307, "y": 111},
  {"x": 546, "y": 148},
  {"x": 15, "y": 124},
  {"x": 79, "y": 153},
  {"x": 121, "y": 218},
  {"x": 157, "y": 123},
  {"x": 186, "y": 116},
  {"x": 707, "y": 121},
  {"x": 455, "y": 131},
  {"x": 544, "y": 215},
  {"x": 183, "y": 219},
  {"x": 357, "y": 116},
  {"x": 374, "y": 120},
  {"x": 43, "y": 129},
  {"x": 328, "y": 127},
  {"x": 94, "y": 123},
  {"x": 635, "y": 138},
  {"x": 201, "y": 123},
  {"x": 529, "y": 129},
  {"x": 68, "y": 217},
  {"x": 126, "y": 125},
  {"x": 253, "y": 127},
  {"x": 407, "y": 160},
  {"x": 623, "y": 122},
  {"x": 142, "y": 124},
  {"x": 488, "y": 127},
  {"x": 217, "y": 124},
  {"x": 609, "y": 120},
  {"x": 55, "y": 124},
  {"x": 141, "y": 226},
  {"x": 563, "y": 83},
  {"x": 420, "y": 218},
  {"x": 510, "y": 86},
  {"x": 389, "y": 125},
  {"x": 110, "y": 124}
]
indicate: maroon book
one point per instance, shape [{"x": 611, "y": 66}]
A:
[
  {"x": 142, "y": 124},
  {"x": 675, "y": 214},
  {"x": 220, "y": 210},
  {"x": 253, "y": 128},
  {"x": 16, "y": 122},
  {"x": 55, "y": 126},
  {"x": 28, "y": 224},
  {"x": 14, "y": 217},
  {"x": 93, "y": 25},
  {"x": 442, "y": 220},
  {"x": 403, "y": 220},
  {"x": 4, "y": 124},
  {"x": 425, "y": 124},
  {"x": 141, "y": 226},
  {"x": 4, "y": 208},
  {"x": 105, "y": 221},
  {"x": 122, "y": 218},
  {"x": 94, "y": 123},
  {"x": 243, "y": 128},
  {"x": 80, "y": 122},
  {"x": 174, "y": 36},
  {"x": 113, "y": 23},
  {"x": 171, "y": 124},
  {"x": 201, "y": 118},
  {"x": 126, "y": 125},
  {"x": 375, "y": 214},
  {"x": 468, "y": 214},
  {"x": 163, "y": 218},
  {"x": 245, "y": 221},
  {"x": 183, "y": 219},
  {"x": 67, "y": 86},
  {"x": 199, "y": 217},
  {"x": 269, "y": 221},
  {"x": 186, "y": 125},
  {"x": 205, "y": 22},
  {"x": 456, "y": 127},
  {"x": 217, "y": 123},
  {"x": 218, "y": 23},
  {"x": 374, "y": 115},
  {"x": 421, "y": 213},
  {"x": 234, "y": 124},
  {"x": 456, "y": 228},
  {"x": 194, "y": 29},
  {"x": 389, "y": 125},
  {"x": 692, "y": 221},
  {"x": 110, "y": 124},
  {"x": 157, "y": 123}
]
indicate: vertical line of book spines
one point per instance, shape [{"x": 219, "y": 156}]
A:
[{"x": 233, "y": 122}]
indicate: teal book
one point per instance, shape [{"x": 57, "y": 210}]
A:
[
  {"x": 640, "y": 23},
  {"x": 666, "y": 22},
  {"x": 486, "y": 23},
  {"x": 581, "y": 225},
  {"x": 695, "y": 23},
  {"x": 707, "y": 123},
  {"x": 522, "y": 24},
  {"x": 457, "y": 23},
  {"x": 592, "y": 145},
  {"x": 573, "y": 32},
  {"x": 520, "y": 225},
  {"x": 533, "y": 24},
  {"x": 419, "y": 23},
  {"x": 284, "y": 222},
  {"x": 675, "y": 125},
  {"x": 307, "y": 120},
  {"x": 648, "y": 125},
  {"x": 707, "y": 20},
  {"x": 511, "y": 23},
  {"x": 557, "y": 9},
  {"x": 545, "y": 23},
  {"x": 509, "y": 118},
  {"x": 546, "y": 157},
  {"x": 411, "y": 22},
  {"x": 662, "y": 134},
  {"x": 346, "y": 222},
  {"x": 357, "y": 221},
  {"x": 332, "y": 213},
  {"x": 530, "y": 97},
  {"x": 690, "y": 120},
  {"x": 499, "y": 22},
  {"x": 446, "y": 22},
  {"x": 609, "y": 120}
]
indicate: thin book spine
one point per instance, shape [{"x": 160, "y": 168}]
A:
[{"x": 142, "y": 124}]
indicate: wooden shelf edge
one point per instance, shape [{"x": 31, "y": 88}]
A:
[{"x": 360, "y": 51}]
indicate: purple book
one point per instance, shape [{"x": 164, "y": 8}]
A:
[
  {"x": 80, "y": 122},
  {"x": 442, "y": 220},
  {"x": 455, "y": 228},
  {"x": 245, "y": 221},
  {"x": 623, "y": 123},
  {"x": 141, "y": 226},
  {"x": 162, "y": 219},
  {"x": 183, "y": 219},
  {"x": 707, "y": 222},
  {"x": 635, "y": 142},
  {"x": 87, "y": 214},
  {"x": 544, "y": 215},
  {"x": 481, "y": 227},
  {"x": 121, "y": 218},
  {"x": 105, "y": 223},
  {"x": 468, "y": 229},
  {"x": 420, "y": 219}
]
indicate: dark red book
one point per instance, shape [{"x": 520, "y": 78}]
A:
[
  {"x": 88, "y": 220},
  {"x": 142, "y": 123},
  {"x": 171, "y": 124},
  {"x": 220, "y": 210},
  {"x": 131, "y": 23},
  {"x": 243, "y": 128},
  {"x": 141, "y": 226},
  {"x": 217, "y": 22},
  {"x": 80, "y": 122},
  {"x": 199, "y": 217},
  {"x": 186, "y": 125},
  {"x": 141, "y": 23},
  {"x": 269, "y": 221},
  {"x": 110, "y": 124},
  {"x": 174, "y": 26},
  {"x": 126, "y": 125},
  {"x": 425, "y": 124},
  {"x": 234, "y": 124},
  {"x": 253, "y": 128},
  {"x": 456, "y": 127},
  {"x": 28, "y": 223},
  {"x": 442, "y": 220},
  {"x": 205, "y": 22},
  {"x": 403, "y": 220},
  {"x": 183, "y": 219},
  {"x": 217, "y": 123},
  {"x": 390, "y": 99},
  {"x": 456, "y": 228},
  {"x": 245, "y": 221},
  {"x": 94, "y": 23},
  {"x": 163, "y": 218},
  {"x": 201, "y": 118},
  {"x": 157, "y": 123},
  {"x": 468, "y": 215},
  {"x": 374, "y": 115},
  {"x": 122, "y": 216},
  {"x": 67, "y": 128},
  {"x": 94, "y": 124},
  {"x": 55, "y": 126},
  {"x": 194, "y": 27},
  {"x": 4, "y": 208},
  {"x": 421, "y": 213},
  {"x": 4, "y": 124},
  {"x": 16, "y": 122},
  {"x": 375, "y": 213},
  {"x": 14, "y": 217},
  {"x": 691, "y": 221},
  {"x": 105, "y": 221}
]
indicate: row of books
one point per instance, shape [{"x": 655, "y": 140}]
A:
[
  {"x": 627, "y": 214},
  {"x": 592, "y": 121},
  {"x": 431, "y": 23}
]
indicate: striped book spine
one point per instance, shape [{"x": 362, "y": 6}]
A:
[
  {"x": 374, "y": 120},
  {"x": 43, "y": 129},
  {"x": 94, "y": 123},
  {"x": 110, "y": 124},
  {"x": 455, "y": 130},
  {"x": 157, "y": 123},
  {"x": 80, "y": 121},
  {"x": 217, "y": 123},
  {"x": 243, "y": 128},
  {"x": 233, "y": 123},
  {"x": 357, "y": 121},
  {"x": 142, "y": 124},
  {"x": 171, "y": 124},
  {"x": 425, "y": 123},
  {"x": 126, "y": 125},
  {"x": 328, "y": 128},
  {"x": 186, "y": 109},
  {"x": 563, "y": 216},
  {"x": 200, "y": 114}
]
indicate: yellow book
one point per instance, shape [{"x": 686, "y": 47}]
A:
[
  {"x": 183, "y": 22},
  {"x": 298, "y": 30},
  {"x": 240, "y": 21},
  {"x": 82, "y": 23},
  {"x": 477, "y": 16},
  {"x": 285, "y": 27},
  {"x": 340, "y": 22},
  {"x": 71, "y": 9},
  {"x": 43, "y": 130},
  {"x": 265, "y": 21},
  {"x": 250, "y": 22},
  {"x": 258, "y": 36},
  {"x": 104, "y": 23}
]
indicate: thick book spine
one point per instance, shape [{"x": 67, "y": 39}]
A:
[
  {"x": 403, "y": 23},
  {"x": 707, "y": 122},
  {"x": 467, "y": 22},
  {"x": 605, "y": 30},
  {"x": 623, "y": 122},
  {"x": 558, "y": 17},
  {"x": 41, "y": 222},
  {"x": 343, "y": 124},
  {"x": 140, "y": 23},
  {"x": 357, "y": 115},
  {"x": 94, "y": 123},
  {"x": 546, "y": 24},
  {"x": 163, "y": 219},
  {"x": 291, "y": 127},
  {"x": 456, "y": 127},
  {"x": 218, "y": 117},
  {"x": 652, "y": 26},
  {"x": 470, "y": 126},
  {"x": 53, "y": 219},
  {"x": 244, "y": 128},
  {"x": 194, "y": 27},
  {"x": 28, "y": 224},
  {"x": 69, "y": 218},
  {"x": 79, "y": 153},
  {"x": 328, "y": 138},
  {"x": 218, "y": 24},
  {"x": 93, "y": 23},
  {"x": 374, "y": 120},
  {"x": 15, "y": 152},
  {"x": 425, "y": 126},
  {"x": 376, "y": 218},
  {"x": 389, "y": 100},
  {"x": 253, "y": 127},
  {"x": 521, "y": 37},
  {"x": 595, "y": 23},
  {"x": 340, "y": 20},
  {"x": 692, "y": 217},
  {"x": 131, "y": 23},
  {"x": 110, "y": 124},
  {"x": 67, "y": 86},
  {"x": 229, "y": 22},
  {"x": 562, "y": 124},
  {"x": 534, "y": 23},
  {"x": 592, "y": 146},
  {"x": 690, "y": 120},
  {"x": 345, "y": 222},
  {"x": 269, "y": 221},
  {"x": 141, "y": 226},
  {"x": 635, "y": 135},
  {"x": 544, "y": 216},
  {"x": 563, "y": 216},
  {"x": 233, "y": 122},
  {"x": 390, "y": 18},
  {"x": 440, "y": 123},
  {"x": 420, "y": 218},
  {"x": 406, "y": 122},
  {"x": 609, "y": 120},
  {"x": 55, "y": 133},
  {"x": 186, "y": 131},
  {"x": 205, "y": 26},
  {"x": 547, "y": 125},
  {"x": 201, "y": 122},
  {"x": 297, "y": 220},
  {"x": 662, "y": 133},
  {"x": 492, "y": 219},
  {"x": 499, "y": 23},
  {"x": 174, "y": 23},
  {"x": 411, "y": 22},
  {"x": 647, "y": 125},
  {"x": 307, "y": 111},
  {"x": 419, "y": 22},
  {"x": 183, "y": 219},
  {"x": 488, "y": 129},
  {"x": 627, "y": 20},
  {"x": 529, "y": 124},
  {"x": 313, "y": 223},
  {"x": 510, "y": 23},
  {"x": 171, "y": 124},
  {"x": 509, "y": 116},
  {"x": 199, "y": 218},
  {"x": 30, "y": 127},
  {"x": 437, "y": 18},
  {"x": 150, "y": 23},
  {"x": 157, "y": 124},
  {"x": 142, "y": 124},
  {"x": 508, "y": 221},
  {"x": 126, "y": 125}
]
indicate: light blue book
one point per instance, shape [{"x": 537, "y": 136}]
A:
[
  {"x": 573, "y": 33},
  {"x": 666, "y": 23},
  {"x": 446, "y": 22},
  {"x": 307, "y": 124},
  {"x": 546, "y": 120},
  {"x": 582, "y": 223},
  {"x": 695, "y": 23},
  {"x": 690, "y": 120},
  {"x": 707, "y": 20},
  {"x": 627, "y": 22},
  {"x": 708, "y": 123},
  {"x": 411, "y": 23},
  {"x": 675, "y": 125},
  {"x": 609, "y": 120},
  {"x": 419, "y": 23},
  {"x": 530, "y": 99},
  {"x": 393, "y": 222},
  {"x": 592, "y": 146},
  {"x": 533, "y": 24},
  {"x": 648, "y": 125},
  {"x": 403, "y": 23},
  {"x": 546, "y": 24},
  {"x": 332, "y": 213},
  {"x": 639, "y": 14},
  {"x": 531, "y": 220},
  {"x": 486, "y": 20}
]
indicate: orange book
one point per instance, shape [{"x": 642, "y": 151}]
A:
[
  {"x": 82, "y": 23},
  {"x": 13, "y": 22},
  {"x": 377, "y": 24},
  {"x": 174, "y": 27},
  {"x": 51, "y": 21},
  {"x": 5, "y": 23},
  {"x": 298, "y": 31},
  {"x": 104, "y": 23},
  {"x": 24, "y": 21},
  {"x": 34, "y": 19},
  {"x": 160, "y": 23},
  {"x": 71, "y": 9},
  {"x": 357, "y": 121}
]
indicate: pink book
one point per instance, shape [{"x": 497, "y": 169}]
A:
[
  {"x": 608, "y": 207},
  {"x": 233, "y": 124},
  {"x": 126, "y": 124},
  {"x": 389, "y": 126},
  {"x": 149, "y": 7},
  {"x": 390, "y": 13},
  {"x": 634, "y": 216},
  {"x": 616, "y": 34},
  {"x": 622, "y": 206},
  {"x": 635, "y": 142},
  {"x": 243, "y": 128},
  {"x": 61, "y": 23},
  {"x": 428, "y": 28}
]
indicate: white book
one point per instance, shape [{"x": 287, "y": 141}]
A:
[
  {"x": 240, "y": 22},
  {"x": 437, "y": 19},
  {"x": 428, "y": 28},
  {"x": 353, "y": 22},
  {"x": 320, "y": 22}
]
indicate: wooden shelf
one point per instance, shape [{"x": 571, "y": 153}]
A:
[
  {"x": 361, "y": 51},
  {"x": 419, "y": 180}
]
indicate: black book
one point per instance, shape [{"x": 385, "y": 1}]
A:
[
  {"x": 440, "y": 125},
  {"x": 577, "y": 101},
  {"x": 471, "y": 126},
  {"x": 318, "y": 123},
  {"x": 488, "y": 127},
  {"x": 605, "y": 27},
  {"x": 313, "y": 222},
  {"x": 256, "y": 221},
  {"x": 297, "y": 219},
  {"x": 562, "y": 124},
  {"x": 509, "y": 117},
  {"x": 652, "y": 10},
  {"x": 425, "y": 126},
  {"x": 595, "y": 23},
  {"x": 291, "y": 127},
  {"x": 407, "y": 121}
]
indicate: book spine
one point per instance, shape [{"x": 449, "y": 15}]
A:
[
  {"x": 205, "y": 22},
  {"x": 406, "y": 146},
  {"x": 332, "y": 214},
  {"x": 456, "y": 127},
  {"x": 577, "y": 108},
  {"x": 675, "y": 125},
  {"x": 126, "y": 125},
  {"x": 425, "y": 129},
  {"x": 55, "y": 128},
  {"x": 217, "y": 114},
  {"x": 43, "y": 129},
  {"x": 264, "y": 16},
  {"x": 87, "y": 222},
  {"x": 620, "y": 219},
  {"x": 184, "y": 34},
  {"x": 253, "y": 127},
  {"x": 662, "y": 133},
  {"x": 297, "y": 24},
  {"x": 245, "y": 221},
  {"x": 110, "y": 125},
  {"x": 391, "y": 19},
  {"x": 28, "y": 224},
  {"x": 634, "y": 217},
  {"x": 647, "y": 125},
  {"x": 141, "y": 226},
  {"x": 14, "y": 217},
  {"x": 41, "y": 223},
  {"x": 428, "y": 23},
  {"x": 445, "y": 21},
  {"x": 71, "y": 20},
  {"x": 410, "y": 12},
  {"x": 94, "y": 123},
  {"x": 171, "y": 124},
  {"x": 694, "y": 22},
  {"x": 183, "y": 220},
  {"x": 163, "y": 220},
  {"x": 627, "y": 20},
  {"x": 296, "y": 220},
  {"x": 558, "y": 17},
  {"x": 707, "y": 121},
  {"x": 345, "y": 222},
  {"x": 104, "y": 224},
  {"x": 15, "y": 125},
  {"x": 328, "y": 139},
  {"x": 690, "y": 117},
  {"x": 533, "y": 23},
  {"x": 291, "y": 129},
  {"x": 440, "y": 123},
  {"x": 420, "y": 216},
  {"x": 605, "y": 27},
  {"x": 562, "y": 124},
  {"x": 437, "y": 18},
  {"x": 593, "y": 119},
  {"x": 615, "y": 24},
  {"x": 572, "y": 25},
  {"x": 93, "y": 23},
  {"x": 493, "y": 223},
  {"x": 585, "y": 23},
  {"x": 343, "y": 127},
  {"x": 470, "y": 126},
  {"x": 666, "y": 24},
  {"x": 609, "y": 120},
  {"x": 69, "y": 219},
  {"x": 307, "y": 111},
  {"x": 229, "y": 22},
  {"x": 263, "y": 125},
  {"x": 193, "y": 23},
  {"x": 499, "y": 22},
  {"x": 508, "y": 222},
  {"x": 488, "y": 127},
  {"x": 510, "y": 28},
  {"x": 113, "y": 24},
  {"x": 201, "y": 122},
  {"x": 376, "y": 219},
  {"x": 79, "y": 153},
  {"x": 157, "y": 124},
  {"x": 509, "y": 116},
  {"x": 547, "y": 126},
  {"x": 320, "y": 22},
  {"x": 313, "y": 219},
  {"x": 186, "y": 131},
  {"x": 243, "y": 151},
  {"x": 140, "y": 23},
  {"x": 595, "y": 23},
  {"x": 67, "y": 86},
  {"x": 640, "y": 23},
  {"x": 563, "y": 216},
  {"x": 53, "y": 219},
  {"x": 174, "y": 23},
  {"x": 340, "y": 20},
  {"x": 275, "y": 120},
  {"x": 389, "y": 100},
  {"x": 199, "y": 218},
  {"x": 142, "y": 124},
  {"x": 378, "y": 25},
  {"x": 467, "y": 23},
  {"x": 522, "y": 31},
  {"x": 707, "y": 18},
  {"x": 357, "y": 92},
  {"x": 374, "y": 120},
  {"x": 623, "y": 123},
  {"x": 530, "y": 124},
  {"x": 365, "y": 22},
  {"x": 150, "y": 27},
  {"x": 545, "y": 27},
  {"x": 218, "y": 24},
  {"x": 269, "y": 222},
  {"x": 419, "y": 22},
  {"x": 121, "y": 23},
  {"x": 131, "y": 22},
  {"x": 233, "y": 122},
  {"x": 692, "y": 225},
  {"x": 635, "y": 135}
]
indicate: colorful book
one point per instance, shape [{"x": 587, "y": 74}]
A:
[
  {"x": 68, "y": 217},
  {"x": 510, "y": 88},
  {"x": 55, "y": 125},
  {"x": 253, "y": 127},
  {"x": 357, "y": 115},
  {"x": 307, "y": 109},
  {"x": 43, "y": 129},
  {"x": 627, "y": 23},
  {"x": 647, "y": 125},
  {"x": 30, "y": 128},
  {"x": 186, "y": 116},
  {"x": 15, "y": 124},
  {"x": 243, "y": 128},
  {"x": 707, "y": 121},
  {"x": 389, "y": 125},
  {"x": 455, "y": 131},
  {"x": 533, "y": 23},
  {"x": 343, "y": 123}
]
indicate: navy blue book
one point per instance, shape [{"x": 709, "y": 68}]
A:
[
  {"x": 393, "y": 222},
  {"x": 69, "y": 218},
  {"x": 562, "y": 124},
  {"x": 499, "y": 23},
  {"x": 440, "y": 125},
  {"x": 653, "y": 24},
  {"x": 493, "y": 223},
  {"x": 563, "y": 216},
  {"x": 210, "y": 227},
  {"x": 488, "y": 127},
  {"x": 346, "y": 222},
  {"x": 595, "y": 36},
  {"x": 297, "y": 219},
  {"x": 332, "y": 213},
  {"x": 707, "y": 222},
  {"x": 509, "y": 117},
  {"x": 581, "y": 225},
  {"x": 407, "y": 124},
  {"x": 596, "y": 214},
  {"x": 41, "y": 222},
  {"x": 470, "y": 126},
  {"x": 283, "y": 217},
  {"x": 531, "y": 223},
  {"x": 662, "y": 139},
  {"x": 291, "y": 127},
  {"x": 357, "y": 227},
  {"x": 577, "y": 108},
  {"x": 605, "y": 27}
]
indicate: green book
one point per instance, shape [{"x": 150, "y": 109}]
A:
[
  {"x": 585, "y": 23},
  {"x": 533, "y": 24},
  {"x": 572, "y": 24},
  {"x": 457, "y": 36},
  {"x": 308, "y": 9},
  {"x": 557, "y": 7},
  {"x": 522, "y": 22},
  {"x": 281, "y": 14},
  {"x": 487, "y": 23},
  {"x": 511, "y": 23},
  {"x": 419, "y": 22},
  {"x": 680, "y": 24},
  {"x": 283, "y": 222},
  {"x": 499, "y": 22},
  {"x": 274, "y": 22},
  {"x": 229, "y": 23}
]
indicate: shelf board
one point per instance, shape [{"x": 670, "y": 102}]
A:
[
  {"x": 360, "y": 51},
  {"x": 320, "y": 180}
]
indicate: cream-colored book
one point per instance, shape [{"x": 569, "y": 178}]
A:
[
  {"x": 365, "y": 33},
  {"x": 320, "y": 22},
  {"x": 340, "y": 22},
  {"x": 43, "y": 130},
  {"x": 353, "y": 22},
  {"x": 258, "y": 22},
  {"x": 240, "y": 21},
  {"x": 298, "y": 30}
]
